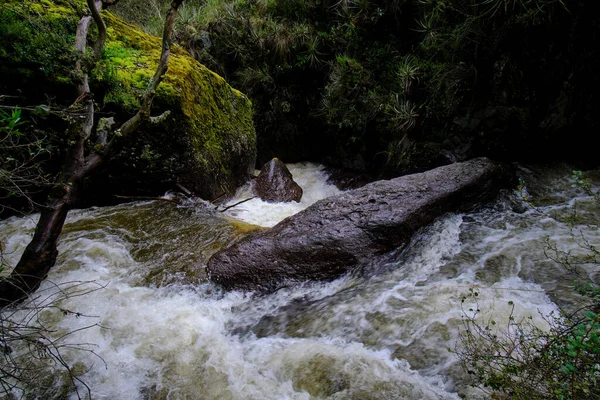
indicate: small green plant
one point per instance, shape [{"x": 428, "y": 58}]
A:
[
  {"x": 408, "y": 73},
  {"x": 520, "y": 360},
  {"x": 583, "y": 183},
  {"x": 10, "y": 123},
  {"x": 313, "y": 57},
  {"x": 398, "y": 152},
  {"x": 426, "y": 26},
  {"x": 21, "y": 155},
  {"x": 403, "y": 114}
]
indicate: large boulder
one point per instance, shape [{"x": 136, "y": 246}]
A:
[
  {"x": 341, "y": 232},
  {"x": 207, "y": 143},
  {"x": 275, "y": 183}
]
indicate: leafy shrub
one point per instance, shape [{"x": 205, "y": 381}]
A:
[{"x": 522, "y": 361}]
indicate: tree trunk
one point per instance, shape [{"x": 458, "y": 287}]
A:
[{"x": 40, "y": 255}]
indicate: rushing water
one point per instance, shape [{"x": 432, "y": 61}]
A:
[
  {"x": 311, "y": 177},
  {"x": 160, "y": 331}
]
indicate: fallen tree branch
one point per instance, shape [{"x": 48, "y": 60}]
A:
[
  {"x": 185, "y": 190},
  {"x": 238, "y": 203},
  {"x": 218, "y": 197}
]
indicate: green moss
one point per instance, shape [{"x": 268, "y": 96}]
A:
[
  {"x": 204, "y": 97},
  {"x": 243, "y": 228},
  {"x": 218, "y": 114},
  {"x": 216, "y": 119},
  {"x": 35, "y": 41},
  {"x": 208, "y": 142}
]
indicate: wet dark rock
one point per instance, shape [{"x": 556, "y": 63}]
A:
[
  {"x": 345, "y": 180},
  {"x": 342, "y": 232},
  {"x": 275, "y": 183}
]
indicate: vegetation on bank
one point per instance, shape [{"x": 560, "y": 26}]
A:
[
  {"x": 518, "y": 359},
  {"x": 382, "y": 86},
  {"x": 392, "y": 86},
  {"x": 22, "y": 152},
  {"x": 386, "y": 86},
  {"x": 212, "y": 145}
]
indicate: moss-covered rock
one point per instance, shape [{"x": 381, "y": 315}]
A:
[{"x": 207, "y": 143}]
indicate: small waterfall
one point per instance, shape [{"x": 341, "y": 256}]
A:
[
  {"x": 162, "y": 332},
  {"x": 311, "y": 177}
]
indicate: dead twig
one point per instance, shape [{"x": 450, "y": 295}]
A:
[{"x": 237, "y": 204}]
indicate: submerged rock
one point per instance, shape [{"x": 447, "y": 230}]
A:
[
  {"x": 276, "y": 184},
  {"x": 342, "y": 232}
]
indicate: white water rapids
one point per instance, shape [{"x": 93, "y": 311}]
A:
[
  {"x": 160, "y": 331},
  {"x": 311, "y": 177}
]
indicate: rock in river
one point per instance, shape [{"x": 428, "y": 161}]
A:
[
  {"x": 341, "y": 232},
  {"x": 276, "y": 184}
]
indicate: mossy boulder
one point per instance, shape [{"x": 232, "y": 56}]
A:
[{"x": 207, "y": 143}]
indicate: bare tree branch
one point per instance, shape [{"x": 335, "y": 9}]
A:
[
  {"x": 28, "y": 347},
  {"x": 40, "y": 255},
  {"x": 95, "y": 7},
  {"x": 143, "y": 115}
]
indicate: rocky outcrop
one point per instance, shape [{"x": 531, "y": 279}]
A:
[
  {"x": 342, "y": 232},
  {"x": 275, "y": 183},
  {"x": 207, "y": 143}
]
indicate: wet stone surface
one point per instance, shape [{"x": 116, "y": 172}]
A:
[{"x": 341, "y": 232}]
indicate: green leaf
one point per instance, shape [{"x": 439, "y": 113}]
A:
[{"x": 590, "y": 314}]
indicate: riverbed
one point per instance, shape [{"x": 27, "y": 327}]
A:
[{"x": 150, "y": 325}]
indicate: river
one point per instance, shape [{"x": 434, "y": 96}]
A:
[{"x": 151, "y": 327}]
